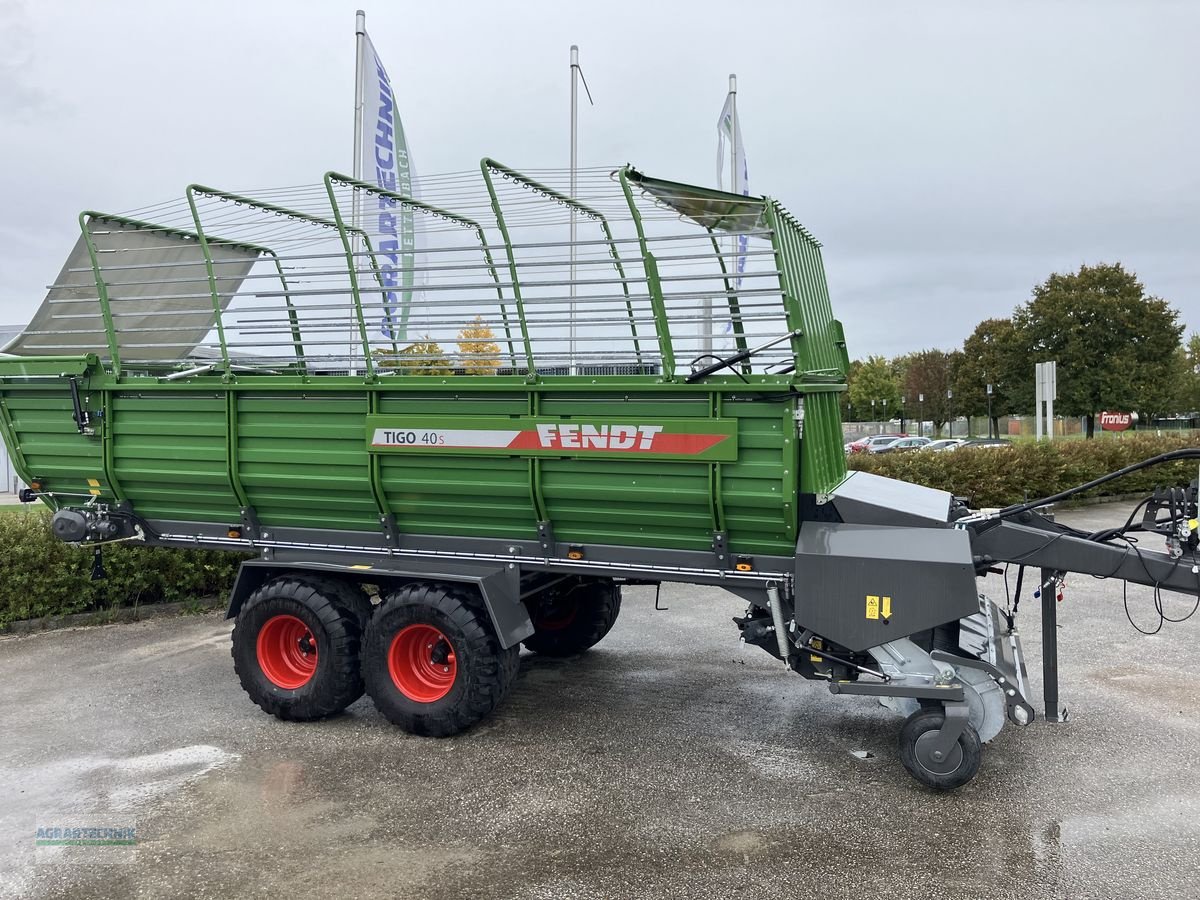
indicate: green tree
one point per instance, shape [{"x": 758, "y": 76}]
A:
[
  {"x": 931, "y": 373},
  {"x": 991, "y": 355},
  {"x": 849, "y": 412},
  {"x": 1115, "y": 346},
  {"x": 1187, "y": 378},
  {"x": 875, "y": 381}
]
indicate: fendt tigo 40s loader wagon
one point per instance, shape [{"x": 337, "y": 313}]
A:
[{"x": 495, "y": 426}]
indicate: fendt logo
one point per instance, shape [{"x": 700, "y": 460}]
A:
[
  {"x": 1116, "y": 421},
  {"x": 597, "y": 437},
  {"x": 705, "y": 439}
]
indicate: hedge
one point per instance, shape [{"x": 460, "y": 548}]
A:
[
  {"x": 1028, "y": 470},
  {"x": 42, "y": 576}
]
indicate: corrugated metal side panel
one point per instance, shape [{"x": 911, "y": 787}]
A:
[
  {"x": 467, "y": 496},
  {"x": 636, "y": 501},
  {"x": 303, "y": 461},
  {"x": 50, "y": 442},
  {"x": 169, "y": 456},
  {"x": 760, "y": 513},
  {"x": 823, "y": 459},
  {"x": 803, "y": 279}
]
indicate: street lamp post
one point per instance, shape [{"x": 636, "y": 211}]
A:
[
  {"x": 885, "y": 415},
  {"x": 902, "y": 404},
  {"x": 873, "y": 412},
  {"x": 950, "y": 411},
  {"x": 921, "y": 414},
  {"x": 989, "y": 396}
]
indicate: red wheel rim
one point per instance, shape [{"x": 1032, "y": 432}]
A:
[
  {"x": 287, "y": 652},
  {"x": 422, "y": 663}
]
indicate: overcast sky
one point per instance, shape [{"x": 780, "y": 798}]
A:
[{"x": 949, "y": 154}]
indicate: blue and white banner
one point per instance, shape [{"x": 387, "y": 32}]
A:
[
  {"x": 387, "y": 163},
  {"x": 729, "y": 130}
]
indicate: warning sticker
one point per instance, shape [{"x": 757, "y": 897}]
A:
[{"x": 879, "y": 607}]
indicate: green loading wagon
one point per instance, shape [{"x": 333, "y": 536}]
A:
[{"x": 496, "y": 429}]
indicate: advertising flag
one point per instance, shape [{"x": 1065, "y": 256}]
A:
[{"x": 387, "y": 163}]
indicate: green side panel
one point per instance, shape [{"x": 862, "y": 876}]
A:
[
  {"x": 643, "y": 503},
  {"x": 50, "y": 443},
  {"x": 169, "y": 456},
  {"x": 823, "y": 459},
  {"x": 760, "y": 512},
  {"x": 640, "y": 502},
  {"x": 822, "y": 349},
  {"x": 302, "y": 462},
  {"x": 463, "y": 496}
]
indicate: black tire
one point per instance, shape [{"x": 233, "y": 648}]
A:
[
  {"x": 346, "y": 594},
  {"x": 572, "y": 616},
  {"x": 281, "y": 608},
  {"x": 961, "y": 764},
  {"x": 432, "y": 662}
]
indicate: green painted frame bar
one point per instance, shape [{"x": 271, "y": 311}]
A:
[
  {"x": 85, "y": 219},
  {"x": 590, "y": 213},
  {"x": 47, "y": 366},
  {"x": 194, "y": 189},
  {"x": 89, "y": 216},
  {"x": 428, "y": 209},
  {"x": 665, "y": 348},
  {"x": 486, "y": 166}
]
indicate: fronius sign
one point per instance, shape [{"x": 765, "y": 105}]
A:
[
  {"x": 1116, "y": 421},
  {"x": 708, "y": 440}
]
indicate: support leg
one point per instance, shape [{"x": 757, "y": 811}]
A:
[{"x": 1054, "y": 712}]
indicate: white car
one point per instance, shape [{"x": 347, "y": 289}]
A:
[
  {"x": 906, "y": 443},
  {"x": 945, "y": 444}
]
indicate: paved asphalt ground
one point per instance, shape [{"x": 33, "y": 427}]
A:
[{"x": 667, "y": 762}]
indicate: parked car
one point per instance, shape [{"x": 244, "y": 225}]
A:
[
  {"x": 880, "y": 441},
  {"x": 987, "y": 444},
  {"x": 945, "y": 444},
  {"x": 860, "y": 446},
  {"x": 899, "y": 444}
]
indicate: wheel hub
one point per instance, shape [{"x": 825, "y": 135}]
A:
[
  {"x": 934, "y": 760},
  {"x": 422, "y": 663},
  {"x": 287, "y": 652}
]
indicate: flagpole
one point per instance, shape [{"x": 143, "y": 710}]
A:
[
  {"x": 733, "y": 180},
  {"x": 360, "y": 36},
  {"x": 574, "y": 165}
]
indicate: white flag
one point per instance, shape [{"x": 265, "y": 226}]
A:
[
  {"x": 729, "y": 129},
  {"x": 387, "y": 163}
]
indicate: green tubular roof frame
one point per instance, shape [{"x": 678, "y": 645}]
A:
[
  {"x": 199, "y": 189},
  {"x": 488, "y": 166},
  {"x": 485, "y": 166},
  {"x": 657, "y": 303},
  {"x": 88, "y": 216},
  {"x": 429, "y": 209}
]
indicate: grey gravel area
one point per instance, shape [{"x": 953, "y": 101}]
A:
[{"x": 668, "y": 762}]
